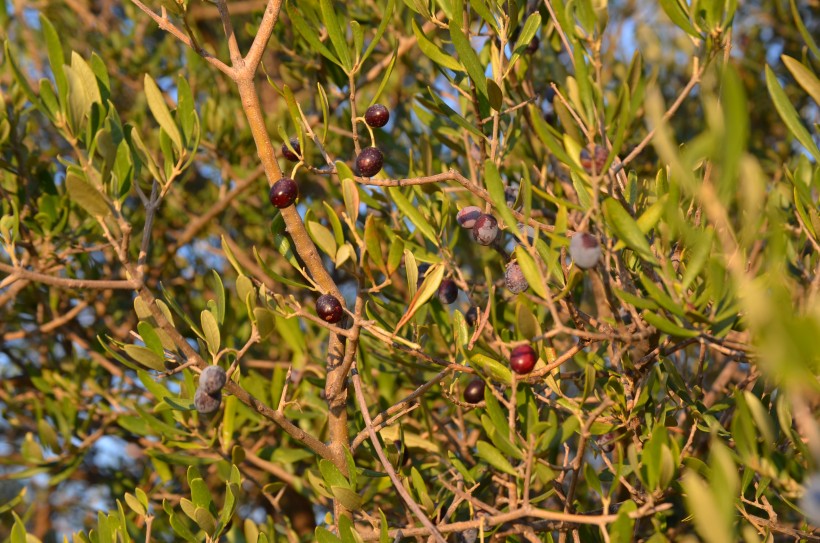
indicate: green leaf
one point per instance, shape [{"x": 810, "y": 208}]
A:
[
  {"x": 432, "y": 280},
  {"x": 226, "y": 248},
  {"x": 803, "y": 76},
  {"x": 531, "y": 26},
  {"x": 469, "y": 59},
  {"x": 56, "y": 57},
  {"x": 334, "y": 30},
  {"x": 282, "y": 242},
  {"x": 545, "y": 134},
  {"x": 265, "y": 321},
  {"x": 331, "y": 475},
  {"x": 200, "y": 494},
  {"x": 494, "y": 457},
  {"x": 386, "y": 18},
  {"x": 420, "y": 487},
  {"x": 481, "y": 8},
  {"x": 531, "y": 271},
  {"x": 205, "y": 520},
  {"x": 78, "y": 103},
  {"x": 309, "y": 34},
  {"x": 678, "y": 16},
  {"x": 621, "y": 531},
  {"x": 384, "y": 537},
  {"x": 626, "y": 229},
  {"x": 146, "y": 357},
  {"x": 667, "y": 326},
  {"x": 322, "y": 237},
  {"x": 648, "y": 219},
  {"x": 358, "y": 39},
  {"x": 347, "y": 497},
  {"x": 706, "y": 512},
  {"x": 325, "y": 107},
  {"x": 219, "y": 290},
  {"x": 372, "y": 240},
  {"x": 448, "y": 112},
  {"x": 495, "y": 95},
  {"x": 433, "y": 52},
  {"x": 789, "y": 115},
  {"x": 385, "y": 77},
  {"x": 159, "y": 109},
  {"x": 491, "y": 367},
  {"x": 415, "y": 216},
  {"x": 20, "y": 77},
  {"x": 804, "y": 32},
  {"x": 151, "y": 338},
  {"x": 495, "y": 186},
  {"x": 324, "y": 536},
  {"x": 18, "y": 531},
  {"x": 275, "y": 276},
  {"x": 135, "y": 504},
  {"x": 350, "y": 194},
  {"x": 85, "y": 195},
  {"x": 335, "y": 223},
  {"x": 210, "y": 328}
]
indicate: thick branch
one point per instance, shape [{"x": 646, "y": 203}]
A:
[{"x": 269, "y": 19}]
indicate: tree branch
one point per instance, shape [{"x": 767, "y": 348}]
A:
[
  {"x": 169, "y": 27},
  {"x": 397, "y": 484},
  {"x": 66, "y": 282}
]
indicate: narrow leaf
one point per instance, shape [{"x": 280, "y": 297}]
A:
[
  {"x": 159, "y": 109},
  {"x": 433, "y": 52},
  {"x": 415, "y": 216},
  {"x": 789, "y": 114},
  {"x": 469, "y": 59},
  {"x": 626, "y": 229},
  {"x": 432, "y": 280}
]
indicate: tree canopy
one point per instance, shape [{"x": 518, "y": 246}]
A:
[{"x": 409, "y": 271}]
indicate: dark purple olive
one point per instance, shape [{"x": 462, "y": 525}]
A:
[
  {"x": 329, "y": 308},
  {"x": 284, "y": 192},
  {"x": 377, "y": 116},
  {"x": 370, "y": 161},
  {"x": 290, "y": 155},
  {"x": 474, "y": 392}
]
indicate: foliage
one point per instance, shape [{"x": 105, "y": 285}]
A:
[{"x": 676, "y": 392}]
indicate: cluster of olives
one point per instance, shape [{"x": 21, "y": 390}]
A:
[
  {"x": 284, "y": 192},
  {"x": 522, "y": 361},
  {"x": 485, "y": 231},
  {"x": 208, "y": 394},
  {"x": 370, "y": 160}
]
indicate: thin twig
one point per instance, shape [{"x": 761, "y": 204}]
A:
[
  {"x": 66, "y": 282},
  {"x": 169, "y": 27},
  {"x": 397, "y": 484}
]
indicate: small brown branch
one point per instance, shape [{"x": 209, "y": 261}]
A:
[
  {"x": 169, "y": 27},
  {"x": 49, "y": 326},
  {"x": 242, "y": 395},
  {"x": 451, "y": 175},
  {"x": 399, "y": 406},
  {"x": 697, "y": 72},
  {"x": 66, "y": 282},
  {"x": 198, "y": 223},
  {"x": 524, "y": 512},
  {"x": 227, "y": 27},
  {"x": 397, "y": 484},
  {"x": 558, "y": 27}
]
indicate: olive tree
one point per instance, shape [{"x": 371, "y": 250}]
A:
[{"x": 409, "y": 271}]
